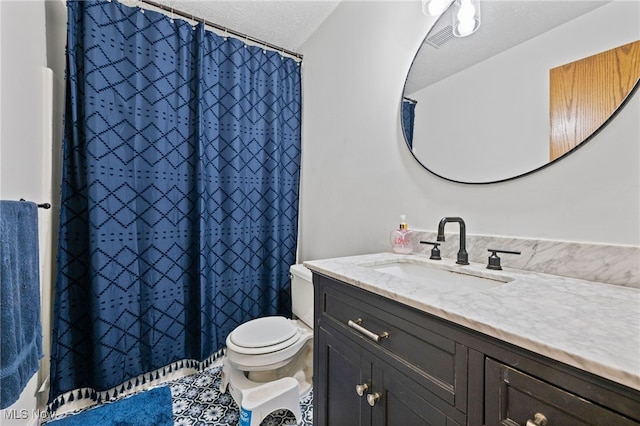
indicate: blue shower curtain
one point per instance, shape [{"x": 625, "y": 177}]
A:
[
  {"x": 408, "y": 118},
  {"x": 179, "y": 196}
]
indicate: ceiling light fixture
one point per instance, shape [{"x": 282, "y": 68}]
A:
[
  {"x": 465, "y": 14},
  {"x": 434, "y": 7}
]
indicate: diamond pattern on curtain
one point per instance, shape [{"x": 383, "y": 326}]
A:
[{"x": 179, "y": 196}]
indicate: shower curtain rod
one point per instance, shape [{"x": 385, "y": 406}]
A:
[{"x": 221, "y": 28}]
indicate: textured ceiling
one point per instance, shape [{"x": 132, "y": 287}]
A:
[{"x": 286, "y": 24}]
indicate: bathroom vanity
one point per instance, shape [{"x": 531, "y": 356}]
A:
[{"x": 394, "y": 347}]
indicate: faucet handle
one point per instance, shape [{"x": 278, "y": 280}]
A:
[
  {"x": 435, "y": 251},
  {"x": 494, "y": 260}
]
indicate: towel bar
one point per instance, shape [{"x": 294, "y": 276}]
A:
[{"x": 42, "y": 206}]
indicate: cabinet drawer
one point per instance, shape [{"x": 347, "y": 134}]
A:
[
  {"x": 433, "y": 360},
  {"x": 513, "y": 398}
]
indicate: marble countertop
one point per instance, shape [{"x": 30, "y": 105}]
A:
[{"x": 592, "y": 326}]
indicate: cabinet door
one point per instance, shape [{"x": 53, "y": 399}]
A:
[
  {"x": 514, "y": 398},
  {"x": 401, "y": 401},
  {"x": 417, "y": 345},
  {"x": 340, "y": 369}
]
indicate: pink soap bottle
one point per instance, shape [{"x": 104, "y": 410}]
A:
[{"x": 401, "y": 238}]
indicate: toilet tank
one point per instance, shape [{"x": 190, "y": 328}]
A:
[{"x": 302, "y": 293}]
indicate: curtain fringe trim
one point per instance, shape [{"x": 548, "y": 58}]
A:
[{"x": 142, "y": 382}]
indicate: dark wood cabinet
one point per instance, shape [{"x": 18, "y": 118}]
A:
[
  {"x": 343, "y": 368},
  {"x": 516, "y": 398},
  {"x": 379, "y": 362},
  {"x": 376, "y": 365},
  {"x": 358, "y": 389},
  {"x": 402, "y": 401}
]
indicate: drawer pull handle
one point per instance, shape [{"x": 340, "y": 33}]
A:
[
  {"x": 361, "y": 389},
  {"x": 372, "y": 398},
  {"x": 370, "y": 334},
  {"x": 538, "y": 420}
]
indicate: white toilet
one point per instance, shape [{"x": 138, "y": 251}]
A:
[{"x": 269, "y": 361}]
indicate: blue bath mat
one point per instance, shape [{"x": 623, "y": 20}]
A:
[{"x": 152, "y": 407}]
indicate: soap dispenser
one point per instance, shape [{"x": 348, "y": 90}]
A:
[{"x": 401, "y": 238}]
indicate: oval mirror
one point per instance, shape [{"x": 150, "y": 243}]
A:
[{"x": 513, "y": 97}]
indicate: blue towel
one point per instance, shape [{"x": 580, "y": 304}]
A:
[{"x": 20, "y": 327}]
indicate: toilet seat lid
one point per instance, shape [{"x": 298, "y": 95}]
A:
[{"x": 263, "y": 332}]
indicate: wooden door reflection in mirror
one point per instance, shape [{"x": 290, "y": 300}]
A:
[{"x": 585, "y": 93}]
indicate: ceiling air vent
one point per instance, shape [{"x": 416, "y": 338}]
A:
[{"x": 440, "y": 37}]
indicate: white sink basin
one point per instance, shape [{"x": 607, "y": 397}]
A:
[{"x": 439, "y": 278}]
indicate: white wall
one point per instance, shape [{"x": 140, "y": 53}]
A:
[
  {"x": 21, "y": 133},
  {"x": 25, "y": 141},
  {"x": 358, "y": 175}
]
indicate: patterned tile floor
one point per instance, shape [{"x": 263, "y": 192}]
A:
[{"x": 197, "y": 401}]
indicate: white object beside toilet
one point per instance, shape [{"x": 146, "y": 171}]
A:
[{"x": 269, "y": 361}]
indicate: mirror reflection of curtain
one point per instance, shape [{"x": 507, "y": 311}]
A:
[
  {"x": 179, "y": 197},
  {"x": 408, "y": 118}
]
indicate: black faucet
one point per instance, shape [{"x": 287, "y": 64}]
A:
[{"x": 463, "y": 256}]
